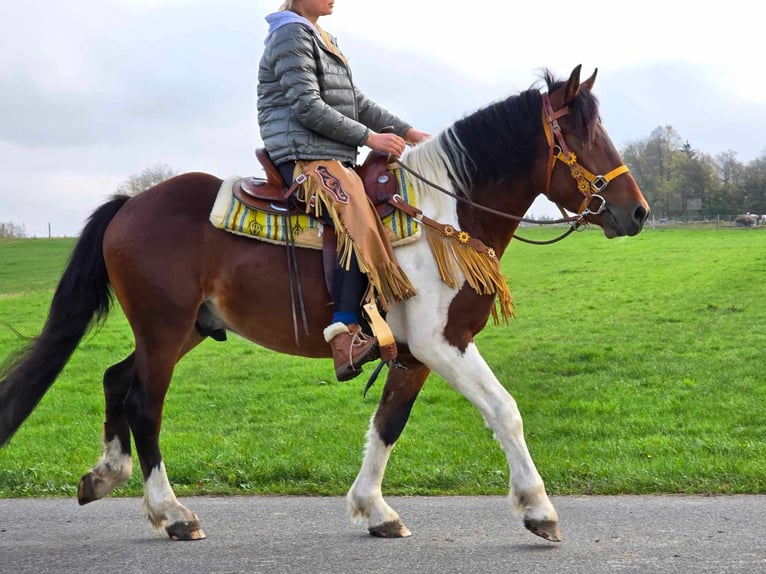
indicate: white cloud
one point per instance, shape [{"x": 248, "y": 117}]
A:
[{"x": 92, "y": 92}]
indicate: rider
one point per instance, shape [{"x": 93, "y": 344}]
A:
[{"x": 311, "y": 114}]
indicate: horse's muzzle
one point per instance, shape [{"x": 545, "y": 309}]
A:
[{"x": 618, "y": 221}]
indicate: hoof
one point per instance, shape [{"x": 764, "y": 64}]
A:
[
  {"x": 393, "y": 529},
  {"x": 547, "y": 529},
  {"x": 189, "y": 530},
  {"x": 86, "y": 492}
]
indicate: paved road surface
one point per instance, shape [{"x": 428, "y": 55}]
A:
[{"x": 678, "y": 534}]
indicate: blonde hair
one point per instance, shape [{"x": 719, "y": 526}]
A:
[{"x": 290, "y": 5}]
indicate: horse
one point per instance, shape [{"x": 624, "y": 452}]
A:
[{"x": 178, "y": 279}]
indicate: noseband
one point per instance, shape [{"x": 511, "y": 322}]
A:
[{"x": 589, "y": 184}]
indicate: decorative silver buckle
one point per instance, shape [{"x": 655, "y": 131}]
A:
[{"x": 599, "y": 184}]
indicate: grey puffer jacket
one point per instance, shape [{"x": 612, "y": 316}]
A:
[{"x": 308, "y": 106}]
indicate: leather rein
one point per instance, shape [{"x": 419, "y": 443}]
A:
[{"x": 589, "y": 184}]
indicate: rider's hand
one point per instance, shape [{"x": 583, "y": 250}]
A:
[
  {"x": 414, "y": 136},
  {"x": 387, "y": 143}
]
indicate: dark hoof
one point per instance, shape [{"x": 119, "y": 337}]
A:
[
  {"x": 189, "y": 530},
  {"x": 393, "y": 529},
  {"x": 547, "y": 529},
  {"x": 86, "y": 492}
]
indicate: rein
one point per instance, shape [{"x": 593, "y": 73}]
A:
[
  {"x": 576, "y": 221},
  {"x": 482, "y": 207}
]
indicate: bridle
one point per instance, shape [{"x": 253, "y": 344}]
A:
[{"x": 589, "y": 184}]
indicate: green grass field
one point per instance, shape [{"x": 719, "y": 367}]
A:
[{"x": 638, "y": 365}]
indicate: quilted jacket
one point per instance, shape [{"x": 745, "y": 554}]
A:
[{"x": 308, "y": 106}]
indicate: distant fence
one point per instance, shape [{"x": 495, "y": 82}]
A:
[
  {"x": 714, "y": 222},
  {"x": 747, "y": 221}
]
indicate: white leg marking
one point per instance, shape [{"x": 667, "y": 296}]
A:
[
  {"x": 469, "y": 374},
  {"x": 420, "y": 322},
  {"x": 160, "y": 503},
  {"x": 113, "y": 468},
  {"x": 365, "y": 498}
]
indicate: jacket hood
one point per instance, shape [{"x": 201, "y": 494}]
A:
[{"x": 279, "y": 19}]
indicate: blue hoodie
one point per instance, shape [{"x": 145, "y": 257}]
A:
[{"x": 279, "y": 19}]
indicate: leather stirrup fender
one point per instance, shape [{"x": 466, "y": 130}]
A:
[{"x": 382, "y": 332}]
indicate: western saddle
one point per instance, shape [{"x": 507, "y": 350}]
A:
[{"x": 274, "y": 195}]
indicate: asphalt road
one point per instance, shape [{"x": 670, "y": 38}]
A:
[{"x": 293, "y": 535}]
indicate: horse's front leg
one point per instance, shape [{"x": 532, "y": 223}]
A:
[
  {"x": 365, "y": 499},
  {"x": 468, "y": 373}
]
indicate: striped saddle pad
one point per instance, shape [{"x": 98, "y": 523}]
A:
[{"x": 231, "y": 215}]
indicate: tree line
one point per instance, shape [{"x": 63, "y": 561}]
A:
[
  {"x": 683, "y": 183},
  {"x": 677, "y": 180}
]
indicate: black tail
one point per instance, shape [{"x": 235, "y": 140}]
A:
[{"x": 82, "y": 293}]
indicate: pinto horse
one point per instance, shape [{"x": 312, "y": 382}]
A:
[{"x": 179, "y": 279}]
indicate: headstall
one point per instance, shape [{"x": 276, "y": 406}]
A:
[{"x": 589, "y": 184}]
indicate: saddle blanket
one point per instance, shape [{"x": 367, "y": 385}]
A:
[{"x": 231, "y": 215}]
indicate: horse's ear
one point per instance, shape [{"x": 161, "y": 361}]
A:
[
  {"x": 573, "y": 85},
  {"x": 590, "y": 81}
]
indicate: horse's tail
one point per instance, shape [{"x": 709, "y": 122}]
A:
[{"x": 83, "y": 293}]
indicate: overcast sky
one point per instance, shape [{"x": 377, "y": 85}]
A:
[{"x": 94, "y": 91}]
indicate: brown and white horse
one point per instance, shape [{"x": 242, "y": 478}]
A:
[{"x": 178, "y": 279}]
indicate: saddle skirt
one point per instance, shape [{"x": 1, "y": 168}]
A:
[{"x": 241, "y": 210}]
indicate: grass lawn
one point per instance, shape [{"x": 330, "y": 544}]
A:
[{"x": 637, "y": 364}]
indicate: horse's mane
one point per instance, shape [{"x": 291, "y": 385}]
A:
[{"x": 496, "y": 143}]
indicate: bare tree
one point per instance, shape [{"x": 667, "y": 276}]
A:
[
  {"x": 147, "y": 178},
  {"x": 10, "y": 229}
]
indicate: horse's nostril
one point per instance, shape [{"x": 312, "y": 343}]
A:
[{"x": 640, "y": 214}]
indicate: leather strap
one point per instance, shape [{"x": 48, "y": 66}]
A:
[
  {"x": 445, "y": 229},
  {"x": 296, "y": 184},
  {"x": 587, "y": 183},
  {"x": 382, "y": 332}
]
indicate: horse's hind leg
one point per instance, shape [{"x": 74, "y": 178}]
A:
[
  {"x": 115, "y": 465},
  {"x": 365, "y": 499},
  {"x": 144, "y": 402}
]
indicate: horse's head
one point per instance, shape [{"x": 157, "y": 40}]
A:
[{"x": 585, "y": 173}]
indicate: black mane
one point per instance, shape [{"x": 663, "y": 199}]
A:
[{"x": 497, "y": 143}]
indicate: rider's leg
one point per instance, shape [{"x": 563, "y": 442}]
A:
[{"x": 351, "y": 348}]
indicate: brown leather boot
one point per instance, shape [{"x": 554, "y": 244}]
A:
[{"x": 351, "y": 349}]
